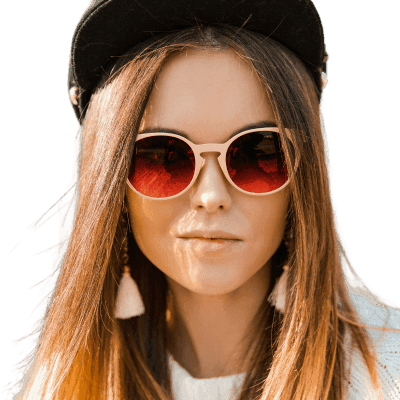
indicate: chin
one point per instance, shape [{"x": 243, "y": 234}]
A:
[{"x": 215, "y": 284}]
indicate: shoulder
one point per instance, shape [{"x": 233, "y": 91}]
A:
[
  {"x": 387, "y": 346},
  {"x": 374, "y": 313}
]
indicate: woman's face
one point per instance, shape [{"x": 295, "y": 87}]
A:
[{"x": 208, "y": 96}]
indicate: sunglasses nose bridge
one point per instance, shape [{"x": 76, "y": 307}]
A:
[{"x": 209, "y": 148}]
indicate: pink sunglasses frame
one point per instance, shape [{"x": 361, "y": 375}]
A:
[{"x": 198, "y": 149}]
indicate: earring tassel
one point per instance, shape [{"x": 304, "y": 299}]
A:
[
  {"x": 278, "y": 296},
  {"x": 129, "y": 302}
]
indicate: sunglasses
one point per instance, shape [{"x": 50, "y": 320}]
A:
[{"x": 165, "y": 165}]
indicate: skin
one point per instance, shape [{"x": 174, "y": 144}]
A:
[{"x": 208, "y": 96}]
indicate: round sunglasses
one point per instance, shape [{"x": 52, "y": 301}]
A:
[{"x": 165, "y": 165}]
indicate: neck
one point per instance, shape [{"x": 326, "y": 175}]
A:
[{"x": 212, "y": 336}]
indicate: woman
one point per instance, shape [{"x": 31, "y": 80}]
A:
[{"x": 204, "y": 261}]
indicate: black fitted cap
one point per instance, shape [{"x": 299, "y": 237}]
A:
[{"x": 110, "y": 27}]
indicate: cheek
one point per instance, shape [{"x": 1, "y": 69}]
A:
[
  {"x": 150, "y": 221},
  {"x": 267, "y": 221}
]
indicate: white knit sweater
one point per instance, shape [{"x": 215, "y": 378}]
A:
[{"x": 387, "y": 344}]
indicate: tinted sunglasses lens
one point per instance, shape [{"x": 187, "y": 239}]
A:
[
  {"x": 256, "y": 163},
  {"x": 162, "y": 166}
]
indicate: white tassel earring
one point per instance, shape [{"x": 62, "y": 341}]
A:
[
  {"x": 278, "y": 296},
  {"x": 129, "y": 302}
]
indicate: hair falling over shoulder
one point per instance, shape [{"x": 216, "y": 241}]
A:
[{"x": 86, "y": 353}]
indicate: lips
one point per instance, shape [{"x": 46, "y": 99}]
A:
[
  {"x": 207, "y": 238},
  {"x": 210, "y": 235},
  {"x": 201, "y": 247},
  {"x": 215, "y": 239},
  {"x": 218, "y": 240}
]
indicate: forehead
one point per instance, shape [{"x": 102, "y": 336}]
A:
[{"x": 207, "y": 95}]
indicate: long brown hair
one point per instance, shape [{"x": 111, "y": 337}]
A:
[{"x": 298, "y": 355}]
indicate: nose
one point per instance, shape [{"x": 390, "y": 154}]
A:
[{"x": 211, "y": 187}]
